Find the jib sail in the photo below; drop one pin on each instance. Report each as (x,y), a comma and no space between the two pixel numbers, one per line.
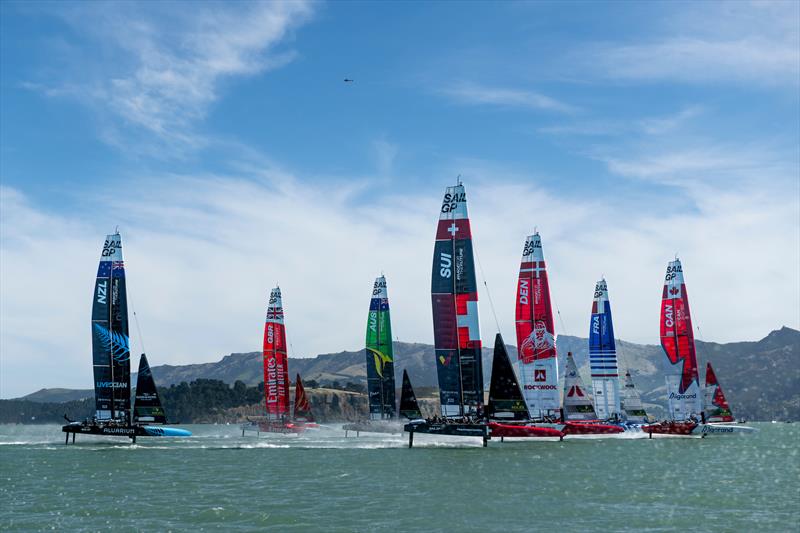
(276,368)
(603,355)
(536,341)
(577,403)
(717,408)
(632,401)
(677,340)
(505,397)
(454,296)
(147,405)
(302,407)
(380,358)
(409,407)
(110,343)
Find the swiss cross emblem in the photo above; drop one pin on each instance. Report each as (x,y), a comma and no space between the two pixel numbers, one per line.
(540,375)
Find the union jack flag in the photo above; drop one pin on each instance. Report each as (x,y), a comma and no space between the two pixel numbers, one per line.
(117,265)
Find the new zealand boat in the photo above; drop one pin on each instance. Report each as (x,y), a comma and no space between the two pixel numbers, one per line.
(380,368)
(111,361)
(276,375)
(686,415)
(456,330)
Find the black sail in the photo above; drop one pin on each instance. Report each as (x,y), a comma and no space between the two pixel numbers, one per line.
(110,344)
(409,407)
(505,397)
(147,406)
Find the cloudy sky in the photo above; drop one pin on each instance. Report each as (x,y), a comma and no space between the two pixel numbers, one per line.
(224,144)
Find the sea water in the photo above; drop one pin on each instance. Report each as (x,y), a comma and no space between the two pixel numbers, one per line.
(322,481)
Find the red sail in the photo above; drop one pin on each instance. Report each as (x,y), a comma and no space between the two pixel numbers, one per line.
(717,408)
(276,368)
(302,407)
(677,340)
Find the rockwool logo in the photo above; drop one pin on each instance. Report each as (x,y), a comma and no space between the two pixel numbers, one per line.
(540,375)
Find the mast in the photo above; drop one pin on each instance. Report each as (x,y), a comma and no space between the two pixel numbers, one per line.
(110,341)
(677,340)
(454,298)
(276,368)
(603,355)
(537,358)
(379,353)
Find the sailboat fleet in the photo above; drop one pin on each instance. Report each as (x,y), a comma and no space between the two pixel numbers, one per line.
(524,397)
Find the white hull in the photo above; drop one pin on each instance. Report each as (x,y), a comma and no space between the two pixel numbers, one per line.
(722,429)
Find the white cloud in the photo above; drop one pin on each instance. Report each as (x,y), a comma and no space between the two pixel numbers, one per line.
(160,66)
(203,251)
(470,93)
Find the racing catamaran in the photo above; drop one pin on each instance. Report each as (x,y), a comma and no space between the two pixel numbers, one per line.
(111,361)
(456,330)
(276,375)
(380,367)
(603,356)
(682,377)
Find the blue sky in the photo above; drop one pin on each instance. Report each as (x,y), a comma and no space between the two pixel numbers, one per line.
(224,143)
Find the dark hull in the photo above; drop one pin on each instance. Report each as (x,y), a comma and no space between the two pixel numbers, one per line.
(116,430)
(451,430)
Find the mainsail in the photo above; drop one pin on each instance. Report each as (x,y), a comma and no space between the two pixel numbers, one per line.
(380,359)
(677,340)
(717,408)
(632,402)
(454,297)
(603,355)
(538,364)
(276,368)
(110,344)
(302,407)
(147,405)
(505,397)
(577,403)
(409,407)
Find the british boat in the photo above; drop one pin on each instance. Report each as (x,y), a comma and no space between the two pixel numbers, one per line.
(276,377)
(456,331)
(380,368)
(686,414)
(111,361)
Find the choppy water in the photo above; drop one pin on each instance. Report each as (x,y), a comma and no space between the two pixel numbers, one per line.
(218,480)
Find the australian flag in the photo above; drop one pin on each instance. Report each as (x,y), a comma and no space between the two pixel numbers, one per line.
(104,270)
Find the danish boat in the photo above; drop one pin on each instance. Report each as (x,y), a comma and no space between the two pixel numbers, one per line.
(380,367)
(456,330)
(686,414)
(111,361)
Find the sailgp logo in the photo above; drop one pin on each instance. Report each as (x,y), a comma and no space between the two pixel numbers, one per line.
(450,202)
(530,246)
(672,271)
(102,291)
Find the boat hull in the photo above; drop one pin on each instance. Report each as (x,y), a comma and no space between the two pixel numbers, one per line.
(497,429)
(378,426)
(123,431)
(722,429)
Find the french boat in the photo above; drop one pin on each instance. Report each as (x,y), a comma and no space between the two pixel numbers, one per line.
(111,362)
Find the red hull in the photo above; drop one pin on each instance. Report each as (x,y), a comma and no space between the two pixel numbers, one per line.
(281,427)
(508,430)
(583,428)
(670,428)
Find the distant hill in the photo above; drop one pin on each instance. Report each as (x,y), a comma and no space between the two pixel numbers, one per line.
(761,379)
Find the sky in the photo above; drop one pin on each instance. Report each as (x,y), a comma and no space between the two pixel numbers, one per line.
(222,141)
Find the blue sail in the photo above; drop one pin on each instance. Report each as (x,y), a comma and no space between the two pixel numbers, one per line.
(603,356)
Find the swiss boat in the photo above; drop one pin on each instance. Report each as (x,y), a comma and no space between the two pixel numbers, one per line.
(111,361)
(686,414)
(276,378)
(380,367)
(456,331)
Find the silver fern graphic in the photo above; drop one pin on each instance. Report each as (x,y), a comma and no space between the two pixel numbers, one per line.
(116,343)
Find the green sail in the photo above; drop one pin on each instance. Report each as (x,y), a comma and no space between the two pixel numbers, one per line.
(379,354)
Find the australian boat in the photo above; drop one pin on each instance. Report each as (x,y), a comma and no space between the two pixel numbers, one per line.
(111,362)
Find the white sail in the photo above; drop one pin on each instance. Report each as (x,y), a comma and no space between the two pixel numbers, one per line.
(632,402)
(577,401)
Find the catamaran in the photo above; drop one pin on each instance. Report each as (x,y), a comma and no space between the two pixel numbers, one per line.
(111,361)
(686,413)
(380,367)
(276,377)
(456,331)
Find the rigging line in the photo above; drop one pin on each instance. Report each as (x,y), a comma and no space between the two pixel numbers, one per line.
(488,292)
(138,329)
